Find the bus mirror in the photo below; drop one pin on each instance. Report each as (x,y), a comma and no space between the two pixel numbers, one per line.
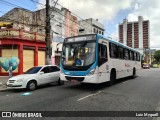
(57,50)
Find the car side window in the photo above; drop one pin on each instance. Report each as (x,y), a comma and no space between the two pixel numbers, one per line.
(46,70)
(54,69)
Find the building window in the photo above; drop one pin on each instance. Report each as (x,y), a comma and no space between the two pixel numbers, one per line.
(102,33)
(94,30)
(72,34)
(99,32)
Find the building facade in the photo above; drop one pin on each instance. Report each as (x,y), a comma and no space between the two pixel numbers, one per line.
(32,23)
(63,24)
(135,34)
(29,47)
(90,26)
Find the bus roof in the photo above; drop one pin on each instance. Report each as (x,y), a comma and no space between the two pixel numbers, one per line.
(116,42)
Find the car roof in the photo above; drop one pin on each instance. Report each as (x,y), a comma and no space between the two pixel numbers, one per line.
(45,65)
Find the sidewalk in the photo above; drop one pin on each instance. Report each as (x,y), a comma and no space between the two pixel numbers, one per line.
(3,81)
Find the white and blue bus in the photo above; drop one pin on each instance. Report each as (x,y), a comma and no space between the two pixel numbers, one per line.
(93,58)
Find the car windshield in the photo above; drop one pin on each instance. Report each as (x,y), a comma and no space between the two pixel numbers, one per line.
(33,70)
(78,54)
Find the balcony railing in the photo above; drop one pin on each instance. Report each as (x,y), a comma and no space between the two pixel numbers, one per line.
(19,34)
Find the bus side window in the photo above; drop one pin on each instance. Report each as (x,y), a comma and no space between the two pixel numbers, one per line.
(132,55)
(135,58)
(120,52)
(138,56)
(126,54)
(102,54)
(113,50)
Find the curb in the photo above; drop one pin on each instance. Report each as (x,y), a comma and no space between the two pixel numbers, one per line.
(3,88)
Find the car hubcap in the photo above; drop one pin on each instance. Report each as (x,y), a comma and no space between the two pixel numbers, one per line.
(32,86)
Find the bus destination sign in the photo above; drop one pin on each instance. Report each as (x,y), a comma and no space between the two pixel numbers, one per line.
(78,39)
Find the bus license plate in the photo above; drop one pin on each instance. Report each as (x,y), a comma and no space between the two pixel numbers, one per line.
(73,81)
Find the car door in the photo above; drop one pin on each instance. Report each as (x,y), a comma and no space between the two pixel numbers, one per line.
(45,77)
(55,72)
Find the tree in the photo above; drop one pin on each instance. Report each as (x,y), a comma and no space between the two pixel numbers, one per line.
(157,56)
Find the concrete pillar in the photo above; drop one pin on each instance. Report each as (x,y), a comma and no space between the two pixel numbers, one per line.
(53,54)
(132,35)
(140,35)
(125,31)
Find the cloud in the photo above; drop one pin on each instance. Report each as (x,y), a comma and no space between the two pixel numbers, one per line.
(103,10)
(150,10)
(107,10)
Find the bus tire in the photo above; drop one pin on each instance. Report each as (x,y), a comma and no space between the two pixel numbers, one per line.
(112,77)
(134,73)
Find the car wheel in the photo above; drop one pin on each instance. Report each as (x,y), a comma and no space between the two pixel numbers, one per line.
(60,82)
(31,85)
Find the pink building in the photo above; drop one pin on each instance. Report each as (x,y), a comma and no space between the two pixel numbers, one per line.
(71,23)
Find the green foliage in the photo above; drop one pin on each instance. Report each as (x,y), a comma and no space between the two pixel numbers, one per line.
(157,55)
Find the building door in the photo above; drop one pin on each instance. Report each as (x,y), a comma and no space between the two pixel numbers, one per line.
(41,57)
(28,59)
(57,60)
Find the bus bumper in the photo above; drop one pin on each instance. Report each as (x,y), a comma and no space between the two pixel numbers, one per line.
(82,79)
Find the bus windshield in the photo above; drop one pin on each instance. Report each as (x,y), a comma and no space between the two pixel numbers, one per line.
(78,54)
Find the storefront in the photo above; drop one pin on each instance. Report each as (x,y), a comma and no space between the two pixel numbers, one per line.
(28,47)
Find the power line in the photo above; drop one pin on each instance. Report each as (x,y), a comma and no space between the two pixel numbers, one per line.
(28,5)
(63,15)
(38,2)
(84,20)
(74,14)
(10,3)
(53,7)
(33,3)
(6,4)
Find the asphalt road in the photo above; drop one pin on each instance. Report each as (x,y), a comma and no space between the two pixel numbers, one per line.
(139,94)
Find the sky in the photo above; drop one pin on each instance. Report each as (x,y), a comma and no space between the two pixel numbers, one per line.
(108,12)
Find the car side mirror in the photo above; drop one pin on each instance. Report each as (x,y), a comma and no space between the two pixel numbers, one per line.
(41,72)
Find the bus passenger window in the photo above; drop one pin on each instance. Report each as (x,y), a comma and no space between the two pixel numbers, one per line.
(120,52)
(102,54)
(113,50)
(126,54)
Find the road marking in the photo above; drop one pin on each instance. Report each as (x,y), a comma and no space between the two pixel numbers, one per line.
(89,96)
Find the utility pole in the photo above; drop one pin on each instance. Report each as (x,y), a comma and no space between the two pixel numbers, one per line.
(47,38)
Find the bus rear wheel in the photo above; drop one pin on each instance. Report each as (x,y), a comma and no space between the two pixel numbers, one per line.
(112,78)
(134,73)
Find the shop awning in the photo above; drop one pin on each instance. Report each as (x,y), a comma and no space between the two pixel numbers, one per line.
(4,24)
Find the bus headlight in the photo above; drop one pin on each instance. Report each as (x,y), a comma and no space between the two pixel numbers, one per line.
(92,72)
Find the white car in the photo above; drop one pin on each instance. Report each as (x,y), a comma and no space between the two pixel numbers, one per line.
(36,76)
